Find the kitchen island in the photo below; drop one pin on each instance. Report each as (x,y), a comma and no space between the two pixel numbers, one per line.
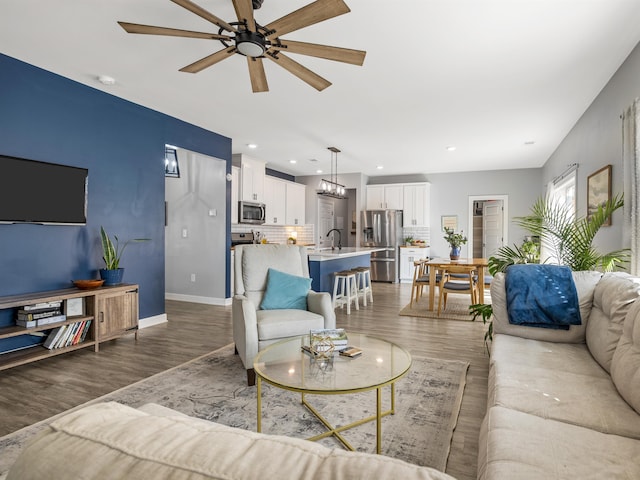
(324,262)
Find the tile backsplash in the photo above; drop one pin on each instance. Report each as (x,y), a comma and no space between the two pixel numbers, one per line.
(418,233)
(305,233)
(279,234)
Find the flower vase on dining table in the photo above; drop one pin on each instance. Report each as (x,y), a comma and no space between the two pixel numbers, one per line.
(455,253)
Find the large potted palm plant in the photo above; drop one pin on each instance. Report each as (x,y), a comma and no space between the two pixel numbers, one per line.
(111,254)
(568,240)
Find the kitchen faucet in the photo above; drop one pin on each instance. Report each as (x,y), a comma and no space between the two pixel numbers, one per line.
(339,238)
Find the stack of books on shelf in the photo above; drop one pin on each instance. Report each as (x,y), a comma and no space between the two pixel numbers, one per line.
(40,314)
(67,335)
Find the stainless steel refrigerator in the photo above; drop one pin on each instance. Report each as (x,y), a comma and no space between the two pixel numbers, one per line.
(383,228)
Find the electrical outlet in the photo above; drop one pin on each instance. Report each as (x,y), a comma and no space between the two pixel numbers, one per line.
(193,277)
(184,233)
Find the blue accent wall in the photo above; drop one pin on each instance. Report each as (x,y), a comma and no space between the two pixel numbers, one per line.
(46,117)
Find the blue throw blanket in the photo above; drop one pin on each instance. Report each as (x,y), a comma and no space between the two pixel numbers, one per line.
(542,296)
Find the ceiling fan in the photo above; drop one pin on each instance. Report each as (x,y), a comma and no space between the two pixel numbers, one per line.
(247,37)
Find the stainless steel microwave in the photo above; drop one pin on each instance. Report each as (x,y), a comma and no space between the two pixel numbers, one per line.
(251,212)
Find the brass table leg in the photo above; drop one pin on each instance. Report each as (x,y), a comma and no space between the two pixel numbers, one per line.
(378,420)
(335,431)
(393,399)
(259,401)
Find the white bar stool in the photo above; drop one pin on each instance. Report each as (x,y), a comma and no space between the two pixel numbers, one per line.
(363,284)
(345,290)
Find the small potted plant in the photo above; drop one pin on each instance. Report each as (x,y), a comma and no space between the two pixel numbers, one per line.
(111,254)
(408,241)
(455,241)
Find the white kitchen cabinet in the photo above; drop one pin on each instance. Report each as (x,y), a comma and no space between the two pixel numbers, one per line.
(416,200)
(384,197)
(235,193)
(407,256)
(275,199)
(252,175)
(295,203)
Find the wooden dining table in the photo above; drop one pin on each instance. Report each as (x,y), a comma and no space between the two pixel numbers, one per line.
(436,264)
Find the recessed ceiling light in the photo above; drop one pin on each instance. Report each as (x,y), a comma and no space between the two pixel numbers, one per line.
(252,145)
(106,80)
(529,142)
(451,148)
(318,171)
(379,167)
(293,161)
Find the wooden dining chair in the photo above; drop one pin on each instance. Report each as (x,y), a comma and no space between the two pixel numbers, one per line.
(420,279)
(458,279)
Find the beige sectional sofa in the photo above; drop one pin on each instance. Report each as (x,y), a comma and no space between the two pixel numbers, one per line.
(111,441)
(565,404)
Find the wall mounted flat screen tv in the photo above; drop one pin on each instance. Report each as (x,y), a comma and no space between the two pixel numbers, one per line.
(40,192)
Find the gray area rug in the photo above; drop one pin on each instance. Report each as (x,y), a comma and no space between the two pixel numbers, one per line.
(213,387)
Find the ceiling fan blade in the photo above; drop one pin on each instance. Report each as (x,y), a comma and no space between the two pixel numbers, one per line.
(315,12)
(244,12)
(212,59)
(257,75)
(172,32)
(346,55)
(201,12)
(300,71)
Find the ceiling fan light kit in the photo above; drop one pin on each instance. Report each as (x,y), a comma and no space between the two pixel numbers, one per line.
(256,42)
(250,44)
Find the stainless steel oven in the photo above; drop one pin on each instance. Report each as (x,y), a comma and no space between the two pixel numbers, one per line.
(251,212)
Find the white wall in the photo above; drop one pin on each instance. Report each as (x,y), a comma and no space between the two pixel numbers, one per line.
(196,203)
(596,141)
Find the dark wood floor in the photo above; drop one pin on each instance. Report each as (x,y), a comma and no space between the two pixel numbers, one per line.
(36,391)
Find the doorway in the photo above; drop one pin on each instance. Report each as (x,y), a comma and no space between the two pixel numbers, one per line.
(488,224)
(325,221)
(195,231)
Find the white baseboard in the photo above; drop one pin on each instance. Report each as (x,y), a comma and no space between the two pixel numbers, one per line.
(151,321)
(198,299)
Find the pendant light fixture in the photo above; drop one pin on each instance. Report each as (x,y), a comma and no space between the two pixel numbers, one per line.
(331,187)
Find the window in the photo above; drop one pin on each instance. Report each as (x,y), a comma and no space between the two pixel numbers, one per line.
(171,167)
(563,191)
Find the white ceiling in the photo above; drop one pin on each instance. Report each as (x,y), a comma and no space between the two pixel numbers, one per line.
(485,76)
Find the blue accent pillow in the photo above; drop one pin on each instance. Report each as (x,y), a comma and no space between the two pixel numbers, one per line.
(285,291)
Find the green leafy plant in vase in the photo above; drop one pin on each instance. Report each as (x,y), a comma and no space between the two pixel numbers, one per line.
(455,241)
(112,252)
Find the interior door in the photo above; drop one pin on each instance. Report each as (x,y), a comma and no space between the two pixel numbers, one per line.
(492,227)
(325,222)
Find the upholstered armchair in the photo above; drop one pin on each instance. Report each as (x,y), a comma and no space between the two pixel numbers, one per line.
(272,299)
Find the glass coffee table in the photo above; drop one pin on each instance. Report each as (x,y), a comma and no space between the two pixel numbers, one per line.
(285,365)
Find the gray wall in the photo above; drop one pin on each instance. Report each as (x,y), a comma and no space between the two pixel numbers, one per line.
(196,203)
(450,196)
(596,141)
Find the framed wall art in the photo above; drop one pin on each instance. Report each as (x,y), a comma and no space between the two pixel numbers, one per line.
(449,221)
(599,190)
